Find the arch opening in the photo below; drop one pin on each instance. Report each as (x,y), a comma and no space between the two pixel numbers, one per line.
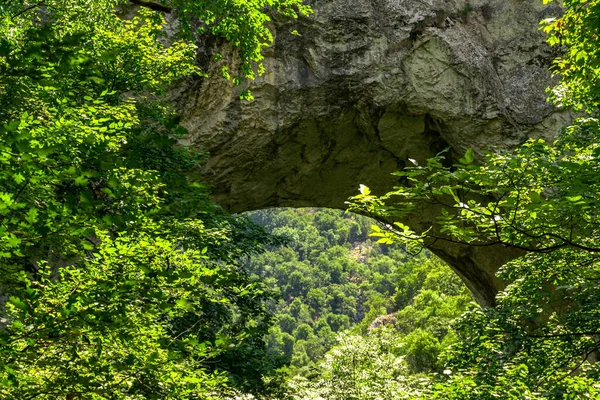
(332,277)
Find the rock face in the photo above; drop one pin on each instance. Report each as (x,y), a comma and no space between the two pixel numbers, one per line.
(369,84)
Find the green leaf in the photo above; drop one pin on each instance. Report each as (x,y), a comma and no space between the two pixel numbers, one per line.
(18,178)
(469,156)
(17,302)
(31,216)
(81,180)
(535,196)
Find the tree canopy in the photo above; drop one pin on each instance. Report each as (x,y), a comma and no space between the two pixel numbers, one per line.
(120,275)
(541,341)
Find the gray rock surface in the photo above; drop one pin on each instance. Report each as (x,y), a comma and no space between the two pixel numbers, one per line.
(369,84)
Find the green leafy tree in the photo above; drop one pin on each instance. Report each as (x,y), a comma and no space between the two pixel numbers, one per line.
(362,368)
(541,341)
(119,271)
(303,332)
(422,351)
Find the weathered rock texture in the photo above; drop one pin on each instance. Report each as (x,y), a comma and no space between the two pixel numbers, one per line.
(369,84)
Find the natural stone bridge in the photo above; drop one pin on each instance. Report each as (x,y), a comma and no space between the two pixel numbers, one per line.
(369,84)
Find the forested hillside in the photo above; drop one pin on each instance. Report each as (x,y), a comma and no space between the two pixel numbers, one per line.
(332,278)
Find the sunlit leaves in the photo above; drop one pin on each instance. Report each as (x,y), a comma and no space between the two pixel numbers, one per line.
(118,323)
(541,198)
(577,30)
(118,268)
(243,23)
(363,368)
(544,199)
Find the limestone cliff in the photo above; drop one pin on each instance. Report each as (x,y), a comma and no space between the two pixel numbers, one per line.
(369,84)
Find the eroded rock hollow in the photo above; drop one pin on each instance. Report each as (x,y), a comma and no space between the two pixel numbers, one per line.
(367,85)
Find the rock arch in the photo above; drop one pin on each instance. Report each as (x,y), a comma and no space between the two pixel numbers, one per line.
(369,84)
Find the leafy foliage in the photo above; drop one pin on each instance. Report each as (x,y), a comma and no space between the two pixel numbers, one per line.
(362,368)
(133,323)
(242,22)
(541,341)
(576,31)
(356,319)
(119,273)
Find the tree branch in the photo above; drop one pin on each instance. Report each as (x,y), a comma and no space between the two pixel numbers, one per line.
(152,6)
(31,7)
(562,335)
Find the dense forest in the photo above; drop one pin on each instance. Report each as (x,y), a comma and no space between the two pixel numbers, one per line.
(120,278)
(332,278)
